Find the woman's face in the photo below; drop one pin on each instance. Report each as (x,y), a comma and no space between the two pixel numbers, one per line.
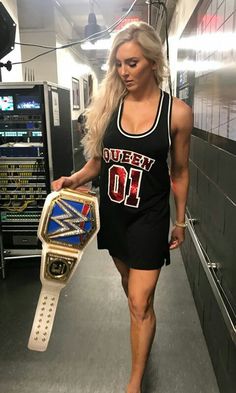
(133,68)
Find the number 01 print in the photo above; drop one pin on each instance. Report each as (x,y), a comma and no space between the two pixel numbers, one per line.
(118,179)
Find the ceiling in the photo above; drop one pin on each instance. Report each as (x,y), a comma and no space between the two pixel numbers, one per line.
(107,12)
(75,13)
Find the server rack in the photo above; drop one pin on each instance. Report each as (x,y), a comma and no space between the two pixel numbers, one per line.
(35,148)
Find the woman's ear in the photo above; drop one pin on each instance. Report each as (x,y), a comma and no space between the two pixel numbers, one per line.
(154,65)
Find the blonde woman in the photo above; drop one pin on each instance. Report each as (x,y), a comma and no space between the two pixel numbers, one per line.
(132,124)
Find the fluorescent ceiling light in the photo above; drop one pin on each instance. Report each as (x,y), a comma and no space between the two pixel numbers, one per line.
(104,44)
(198,66)
(104,67)
(209,42)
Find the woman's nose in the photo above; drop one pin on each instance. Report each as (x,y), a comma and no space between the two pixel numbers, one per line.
(123,70)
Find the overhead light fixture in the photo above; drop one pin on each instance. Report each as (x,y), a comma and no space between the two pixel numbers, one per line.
(198,66)
(92,27)
(104,67)
(104,44)
(209,42)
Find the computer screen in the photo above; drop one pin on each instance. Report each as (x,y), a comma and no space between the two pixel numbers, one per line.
(6,103)
(27,102)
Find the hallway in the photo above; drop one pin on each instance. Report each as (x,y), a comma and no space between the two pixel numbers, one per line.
(89,348)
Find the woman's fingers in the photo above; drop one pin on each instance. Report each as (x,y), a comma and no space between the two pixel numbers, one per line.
(177,237)
(60,183)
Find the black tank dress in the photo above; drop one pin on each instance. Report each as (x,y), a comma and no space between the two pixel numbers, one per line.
(134,191)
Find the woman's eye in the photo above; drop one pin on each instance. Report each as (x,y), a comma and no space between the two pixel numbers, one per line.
(118,65)
(133,64)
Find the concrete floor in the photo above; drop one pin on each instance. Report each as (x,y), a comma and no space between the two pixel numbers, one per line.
(89,348)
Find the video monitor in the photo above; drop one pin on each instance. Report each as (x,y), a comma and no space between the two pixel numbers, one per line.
(27,102)
(6,103)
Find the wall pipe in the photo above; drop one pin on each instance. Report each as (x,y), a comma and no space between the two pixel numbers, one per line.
(215,286)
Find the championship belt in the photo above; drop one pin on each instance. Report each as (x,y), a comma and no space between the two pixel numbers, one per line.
(69,221)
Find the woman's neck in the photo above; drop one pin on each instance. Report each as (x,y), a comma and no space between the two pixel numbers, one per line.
(147,94)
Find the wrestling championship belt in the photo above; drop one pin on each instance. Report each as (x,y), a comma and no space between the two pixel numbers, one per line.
(69,221)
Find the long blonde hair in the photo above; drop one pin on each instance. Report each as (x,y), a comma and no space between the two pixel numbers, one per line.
(112,88)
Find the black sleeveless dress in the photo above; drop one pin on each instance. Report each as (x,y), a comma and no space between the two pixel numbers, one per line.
(134,191)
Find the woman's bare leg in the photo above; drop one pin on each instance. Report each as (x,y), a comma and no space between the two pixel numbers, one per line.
(139,286)
(123,269)
(141,289)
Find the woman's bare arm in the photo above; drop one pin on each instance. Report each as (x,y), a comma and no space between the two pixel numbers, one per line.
(182,122)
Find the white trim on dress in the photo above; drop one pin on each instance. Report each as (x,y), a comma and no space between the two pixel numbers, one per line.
(145,133)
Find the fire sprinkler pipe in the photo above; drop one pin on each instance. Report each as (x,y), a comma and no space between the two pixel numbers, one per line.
(149,3)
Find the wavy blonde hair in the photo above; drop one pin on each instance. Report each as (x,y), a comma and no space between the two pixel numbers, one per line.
(112,89)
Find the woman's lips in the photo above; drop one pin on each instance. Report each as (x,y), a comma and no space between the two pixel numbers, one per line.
(128,82)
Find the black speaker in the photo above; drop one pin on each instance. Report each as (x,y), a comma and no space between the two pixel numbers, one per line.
(7,32)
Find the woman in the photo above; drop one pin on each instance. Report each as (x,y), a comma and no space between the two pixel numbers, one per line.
(131,125)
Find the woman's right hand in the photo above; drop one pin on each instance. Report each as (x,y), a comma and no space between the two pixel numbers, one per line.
(62,182)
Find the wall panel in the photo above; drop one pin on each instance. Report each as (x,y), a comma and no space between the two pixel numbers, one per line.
(206,80)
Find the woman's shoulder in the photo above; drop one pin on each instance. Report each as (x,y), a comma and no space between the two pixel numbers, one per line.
(181,114)
(179,105)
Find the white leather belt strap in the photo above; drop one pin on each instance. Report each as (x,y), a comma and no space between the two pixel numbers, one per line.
(43,320)
(69,221)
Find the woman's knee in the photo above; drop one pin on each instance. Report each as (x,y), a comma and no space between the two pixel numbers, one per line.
(142,285)
(140,308)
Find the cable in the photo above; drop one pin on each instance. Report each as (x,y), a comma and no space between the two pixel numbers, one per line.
(35,45)
(21,208)
(92,37)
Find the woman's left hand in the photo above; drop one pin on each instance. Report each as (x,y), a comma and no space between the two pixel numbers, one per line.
(177,237)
